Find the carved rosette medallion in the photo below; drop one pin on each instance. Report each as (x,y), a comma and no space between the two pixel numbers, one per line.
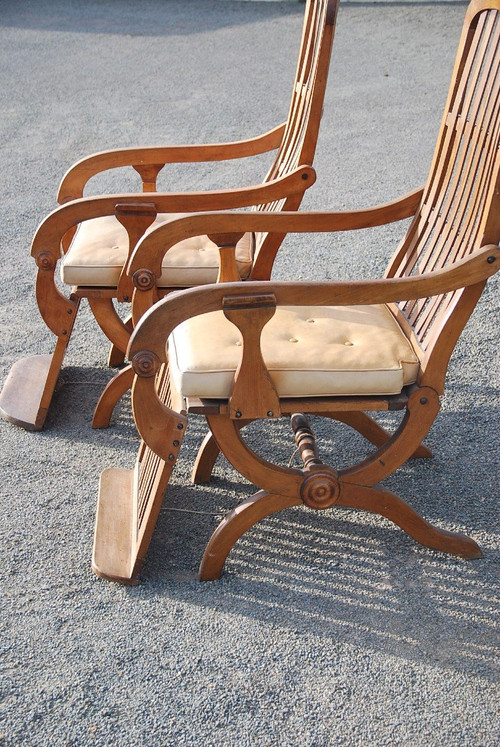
(143,279)
(45,260)
(145,364)
(320,489)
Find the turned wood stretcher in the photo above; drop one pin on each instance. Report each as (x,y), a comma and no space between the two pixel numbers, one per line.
(92,238)
(239,352)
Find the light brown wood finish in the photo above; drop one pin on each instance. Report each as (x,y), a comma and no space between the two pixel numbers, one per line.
(282,188)
(431,285)
(76,178)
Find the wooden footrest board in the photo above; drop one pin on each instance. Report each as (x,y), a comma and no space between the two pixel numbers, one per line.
(113,556)
(23,391)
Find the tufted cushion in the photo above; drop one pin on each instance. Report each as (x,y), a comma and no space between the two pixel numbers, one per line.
(310,351)
(100,248)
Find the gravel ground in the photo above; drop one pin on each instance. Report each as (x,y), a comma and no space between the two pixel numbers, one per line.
(326,629)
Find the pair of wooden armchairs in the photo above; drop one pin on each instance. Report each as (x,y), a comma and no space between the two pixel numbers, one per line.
(238,352)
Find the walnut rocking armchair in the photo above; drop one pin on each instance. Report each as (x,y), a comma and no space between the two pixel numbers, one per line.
(239,352)
(93,237)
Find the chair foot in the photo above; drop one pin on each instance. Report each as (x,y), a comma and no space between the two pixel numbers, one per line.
(114,390)
(234,525)
(395,509)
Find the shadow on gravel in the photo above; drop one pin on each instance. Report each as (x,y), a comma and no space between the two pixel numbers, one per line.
(344,575)
(339,576)
(156,18)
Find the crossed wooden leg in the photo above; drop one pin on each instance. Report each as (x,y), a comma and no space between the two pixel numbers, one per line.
(320,487)
(359,421)
(113,392)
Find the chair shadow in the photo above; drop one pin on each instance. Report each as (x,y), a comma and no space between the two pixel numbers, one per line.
(341,575)
(148,18)
(349,576)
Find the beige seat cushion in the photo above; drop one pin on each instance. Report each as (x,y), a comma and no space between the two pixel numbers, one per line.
(310,351)
(100,248)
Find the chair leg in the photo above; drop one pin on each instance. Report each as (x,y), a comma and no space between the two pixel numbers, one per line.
(373,432)
(116,356)
(29,387)
(109,321)
(421,410)
(395,509)
(207,456)
(205,460)
(113,392)
(360,421)
(235,524)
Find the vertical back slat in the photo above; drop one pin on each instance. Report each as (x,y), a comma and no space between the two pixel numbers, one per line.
(298,145)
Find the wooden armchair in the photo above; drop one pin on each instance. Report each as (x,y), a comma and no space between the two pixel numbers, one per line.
(238,352)
(93,237)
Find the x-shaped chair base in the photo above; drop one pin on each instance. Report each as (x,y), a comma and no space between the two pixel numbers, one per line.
(319,486)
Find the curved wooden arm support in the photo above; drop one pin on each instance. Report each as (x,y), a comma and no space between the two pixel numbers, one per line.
(155,422)
(150,251)
(75,179)
(253,394)
(57,311)
(49,234)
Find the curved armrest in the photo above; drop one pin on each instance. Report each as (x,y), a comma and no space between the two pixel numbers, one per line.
(51,231)
(152,248)
(73,182)
(157,324)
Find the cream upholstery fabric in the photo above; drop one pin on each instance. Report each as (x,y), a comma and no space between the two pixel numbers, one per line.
(100,247)
(310,351)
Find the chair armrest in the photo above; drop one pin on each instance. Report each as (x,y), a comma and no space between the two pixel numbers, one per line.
(49,234)
(75,179)
(158,322)
(151,250)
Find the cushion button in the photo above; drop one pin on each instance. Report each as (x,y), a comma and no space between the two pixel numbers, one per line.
(311,321)
(293,339)
(348,343)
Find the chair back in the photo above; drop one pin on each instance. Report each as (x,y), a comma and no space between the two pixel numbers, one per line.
(298,145)
(460,208)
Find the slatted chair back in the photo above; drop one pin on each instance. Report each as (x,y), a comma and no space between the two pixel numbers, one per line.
(460,207)
(299,141)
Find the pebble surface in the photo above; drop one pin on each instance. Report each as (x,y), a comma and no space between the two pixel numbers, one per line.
(328,628)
